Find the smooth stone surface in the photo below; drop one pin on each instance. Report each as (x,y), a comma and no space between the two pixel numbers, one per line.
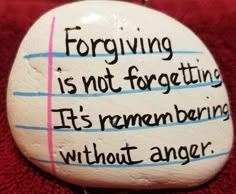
(144,106)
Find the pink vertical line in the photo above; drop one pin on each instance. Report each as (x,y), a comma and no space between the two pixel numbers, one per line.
(49,97)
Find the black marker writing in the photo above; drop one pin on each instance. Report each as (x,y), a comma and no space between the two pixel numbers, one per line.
(115,47)
(185,153)
(100,83)
(69,119)
(92,156)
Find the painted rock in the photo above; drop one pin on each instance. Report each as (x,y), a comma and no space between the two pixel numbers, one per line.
(119,96)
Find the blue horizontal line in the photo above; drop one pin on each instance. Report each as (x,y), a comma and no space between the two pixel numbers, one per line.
(154,164)
(31,127)
(38,94)
(92,130)
(63,55)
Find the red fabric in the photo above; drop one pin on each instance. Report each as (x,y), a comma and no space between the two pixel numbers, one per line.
(213,21)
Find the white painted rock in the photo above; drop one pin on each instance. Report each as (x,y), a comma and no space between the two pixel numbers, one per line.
(118,95)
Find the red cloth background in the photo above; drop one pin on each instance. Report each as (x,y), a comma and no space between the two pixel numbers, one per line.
(213,21)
